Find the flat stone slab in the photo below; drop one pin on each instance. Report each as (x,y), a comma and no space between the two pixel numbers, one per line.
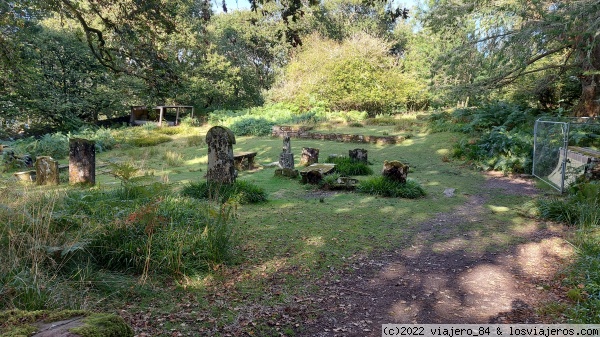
(324,168)
(60,328)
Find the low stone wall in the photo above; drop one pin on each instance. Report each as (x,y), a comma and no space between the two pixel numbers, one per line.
(301,132)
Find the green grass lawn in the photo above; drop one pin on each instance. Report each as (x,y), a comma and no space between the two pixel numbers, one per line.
(283,245)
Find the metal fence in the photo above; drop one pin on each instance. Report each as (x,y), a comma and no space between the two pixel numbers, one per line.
(563,148)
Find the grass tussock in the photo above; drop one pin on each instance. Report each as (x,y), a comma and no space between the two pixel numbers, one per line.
(385,187)
(580,208)
(347,167)
(241,192)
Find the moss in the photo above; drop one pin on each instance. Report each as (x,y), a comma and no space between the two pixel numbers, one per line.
(103,325)
(15,323)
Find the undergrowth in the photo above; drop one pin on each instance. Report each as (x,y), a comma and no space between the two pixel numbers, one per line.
(241,192)
(386,187)
(580,208)
(347,167)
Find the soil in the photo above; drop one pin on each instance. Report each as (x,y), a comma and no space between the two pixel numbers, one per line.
(440,277)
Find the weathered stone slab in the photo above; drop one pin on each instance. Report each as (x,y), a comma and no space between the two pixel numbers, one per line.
(221,165)
(46,171)
(286,157)
(309,156)
(244,160)
(395,170)
(358,155)
(82,161)
(314,173)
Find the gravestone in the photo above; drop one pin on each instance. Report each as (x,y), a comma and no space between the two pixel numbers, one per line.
(82,161)
(46,171)
(286,158)
(221,166)
(358,155)
(309,156)
(395,170)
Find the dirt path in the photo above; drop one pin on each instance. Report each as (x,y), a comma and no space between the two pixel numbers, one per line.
(441,276)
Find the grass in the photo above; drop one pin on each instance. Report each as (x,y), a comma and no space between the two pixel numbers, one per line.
(278,247)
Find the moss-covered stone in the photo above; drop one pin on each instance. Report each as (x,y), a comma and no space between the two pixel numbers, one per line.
(20,323)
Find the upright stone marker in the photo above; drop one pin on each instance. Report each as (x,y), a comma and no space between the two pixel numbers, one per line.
(221,167)
(46,171)
(82,161)
(358,155)
(309,156)
(286,158)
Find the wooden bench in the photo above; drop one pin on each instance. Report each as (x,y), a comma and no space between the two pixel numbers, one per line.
(244,160)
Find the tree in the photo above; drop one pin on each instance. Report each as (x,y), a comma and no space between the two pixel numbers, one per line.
(503,42)
(356,74)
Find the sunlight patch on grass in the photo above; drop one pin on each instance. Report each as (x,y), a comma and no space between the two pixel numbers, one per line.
(316,241)
(197,160)
(498,209)
(443,152)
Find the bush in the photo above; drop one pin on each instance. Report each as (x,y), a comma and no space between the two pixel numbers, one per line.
(170,235)
(103,138)
(241,192)
(356,74)
(347,167)
(55,145)
(580,208)
(391,188)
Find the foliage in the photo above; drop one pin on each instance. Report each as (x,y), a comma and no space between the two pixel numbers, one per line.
(355,74)
(241,192)
(509,44)
(497,136)
(170,235)
(347,167)
(580,208)
(386,187)
(55,145)
(260,120)
(103,138)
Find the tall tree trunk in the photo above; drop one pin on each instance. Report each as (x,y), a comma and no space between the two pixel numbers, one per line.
(589,103)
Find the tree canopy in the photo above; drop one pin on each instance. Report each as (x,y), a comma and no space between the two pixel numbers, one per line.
(496,43)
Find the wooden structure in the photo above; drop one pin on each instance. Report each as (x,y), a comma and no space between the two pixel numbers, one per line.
(141,114)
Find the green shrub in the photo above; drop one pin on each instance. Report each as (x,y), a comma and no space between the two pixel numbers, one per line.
(382,121)
(357,73)
(251,126)
(391,188)
(241,192)
(103,138)
(580,208)
(169,235)
(347,167)
(55,145)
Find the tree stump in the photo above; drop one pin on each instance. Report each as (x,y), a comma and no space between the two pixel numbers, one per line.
(395,170)
(46,171)
(309,156)
(82,161)
(358,155)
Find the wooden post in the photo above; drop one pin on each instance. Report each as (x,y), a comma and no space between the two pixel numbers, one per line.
(82,161)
